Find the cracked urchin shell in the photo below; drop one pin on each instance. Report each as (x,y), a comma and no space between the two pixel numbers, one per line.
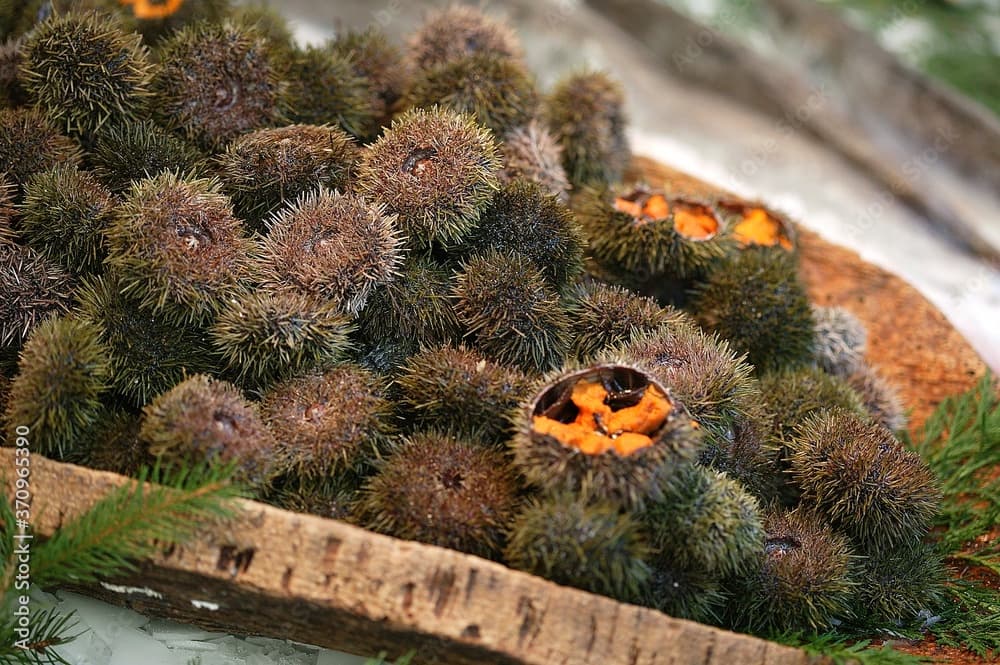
(264,336)
(863,480)
(126,152)
(524,218)
(203,419)
(754,224)
(30,143)
(585,112)
(706,521)
(336,247)
(85,69)
(608,431)
(457,32)
(439,489)
(148,353)
(331,422)
(64,215)
(841,340)
(756,301)
(572,541)
(683,592)
(266,169)
(377,60)
(879,397)
(531,152)
(434,168)
(895,586)
(34,287)
(177,247)
(217,81)
(56,394)
(458,390)
(510,312)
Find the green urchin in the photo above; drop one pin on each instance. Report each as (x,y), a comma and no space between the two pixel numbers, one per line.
(148,353)
(682,592)
(586,113)
(457,32)
(895,586)
(609,431)
(264,336)
(30,143)
(575,542)
(217,81)
(331,422)
(510,312)
(863,480)
(434,168)
(331,498)
(113,444)
(56,394)
(7,209)
(268,21)
(337,247)
(841,340)
(129,151)
(524,218)
(458,390)
(531,152)
(12,92)
(603,317)
(879,397)
(756,301)
(34,287)
(706,521)
(203,419)
(323,87)
(806,581)
(64,215)
(644,234)
(269,168)
(439,489)
(497,91)
(178,247)
(85,69)
(377,60)
(792,396)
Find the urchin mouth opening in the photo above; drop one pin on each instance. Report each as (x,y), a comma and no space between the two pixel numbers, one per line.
(452,479)
(194,237)
(780,546)
(757,226)
(419,159)
(607,408)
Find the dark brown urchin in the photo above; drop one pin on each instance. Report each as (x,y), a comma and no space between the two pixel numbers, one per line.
(530,151)
(436,169)
(12,92)
(524,218)
(644,234)
(791,397)
(331,498)
(7,209)
(30,143)
(439,489)
(323,87)
(573,541)
(329,423)
(457,32)
(756,225)
(126,152)
(414,307)
(204,420)
(806,580)
(863,480)
(64,215)
(113,444)
(497,91)
(33,287)
(609,431)
(336,247)
(217,81)
(896,586)
(84,69)
(841,340)
(879,397)
(266,20)
(458,390)
(264,336)
(510,312)
(148,354)
(266,169)
(585,113)
(178,248)
(603,316)
(377,60)
(756,301)
(56,394)
(683,593)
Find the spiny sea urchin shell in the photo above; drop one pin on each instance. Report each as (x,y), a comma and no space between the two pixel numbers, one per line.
(609,431)
(434,168)
(112,443)
(792,396)
(12,92)
(30,143)
(841,340)
(460,31)
(439,489)
(129,151)
(33,287)
(323,87)
(377,60)
(266,169)
(683,592)
(531,152)
(7,210)
(329,497)
(879,397)
(895,586)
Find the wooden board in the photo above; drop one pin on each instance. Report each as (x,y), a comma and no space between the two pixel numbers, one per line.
(328,583)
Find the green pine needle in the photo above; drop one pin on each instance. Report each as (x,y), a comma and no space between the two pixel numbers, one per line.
(381,659)
(48,629)
(842,650)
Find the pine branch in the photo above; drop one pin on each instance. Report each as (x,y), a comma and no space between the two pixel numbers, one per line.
(842,650)
(47,630)
(381,659)
(971,619)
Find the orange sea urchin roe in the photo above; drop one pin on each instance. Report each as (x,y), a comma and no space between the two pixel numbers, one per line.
(148,9)
(694,221)
(759,228)
(643,207)
(597,428)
